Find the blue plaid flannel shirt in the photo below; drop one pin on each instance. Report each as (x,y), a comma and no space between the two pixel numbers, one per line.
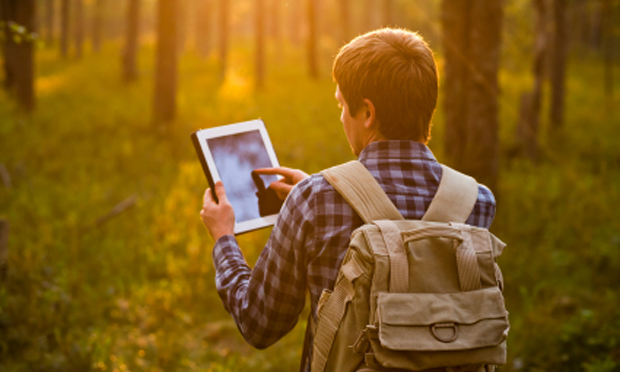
(310,238)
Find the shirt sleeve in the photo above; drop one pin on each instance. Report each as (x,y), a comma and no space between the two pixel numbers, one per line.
(484,210)
(266,301)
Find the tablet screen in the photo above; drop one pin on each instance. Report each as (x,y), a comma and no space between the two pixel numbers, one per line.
(231,153)
(235,157)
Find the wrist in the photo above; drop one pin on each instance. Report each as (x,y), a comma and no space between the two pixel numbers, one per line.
(220,234)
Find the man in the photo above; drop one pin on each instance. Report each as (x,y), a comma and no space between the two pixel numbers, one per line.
(387,88)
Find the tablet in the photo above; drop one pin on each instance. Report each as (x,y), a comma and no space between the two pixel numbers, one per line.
(230,154)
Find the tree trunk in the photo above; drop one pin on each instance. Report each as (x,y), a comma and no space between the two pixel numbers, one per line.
(557,69)
(296,21)
(19,56)
(4,248)
(224,30)
(312,30)
(387,13)
(608,48)
(7,12)
(455,21)
(182,10)
(345,21)
(49,22)
(79,27)
(65,7)
(260,44)
(130,68)
(472,60)
(275,19)
(369,10)
(529,120)
(596,24)
(98,20)
(203,27)
(166,62)
(482,151)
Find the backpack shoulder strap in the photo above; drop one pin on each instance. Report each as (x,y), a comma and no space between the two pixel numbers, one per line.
(362,191)
(455,198)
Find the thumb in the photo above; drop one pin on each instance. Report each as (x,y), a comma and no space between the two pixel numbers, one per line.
(220,192)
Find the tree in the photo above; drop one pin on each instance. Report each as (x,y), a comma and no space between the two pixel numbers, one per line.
(369,10)
(313,65)
(387,13)
(471,39)
(275,20)
(130,68)
(557,70)
(224,26)
(182,18)
(295,19)
(203,27)
(98,18)
(345,20)
(260,43)
(19,16)
(79,27)
(529,118)
(64,27)
(5,17)
(166,62)
(49,22)
(608,47)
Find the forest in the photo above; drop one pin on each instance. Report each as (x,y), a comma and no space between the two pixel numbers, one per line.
(105,264)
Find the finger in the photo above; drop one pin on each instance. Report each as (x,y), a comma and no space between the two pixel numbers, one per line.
(220,192)
(282,171)
(281,188)
(207,197)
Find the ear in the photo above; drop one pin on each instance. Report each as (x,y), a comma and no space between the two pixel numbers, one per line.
(370,117)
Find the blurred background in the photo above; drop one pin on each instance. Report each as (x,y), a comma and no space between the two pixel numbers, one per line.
(104,262)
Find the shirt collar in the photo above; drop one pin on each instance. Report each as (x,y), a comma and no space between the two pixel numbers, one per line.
(396,149)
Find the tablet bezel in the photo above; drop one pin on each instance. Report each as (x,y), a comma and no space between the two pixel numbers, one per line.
(201,137)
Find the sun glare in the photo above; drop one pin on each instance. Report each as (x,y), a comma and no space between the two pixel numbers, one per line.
(49,84)
(236,87)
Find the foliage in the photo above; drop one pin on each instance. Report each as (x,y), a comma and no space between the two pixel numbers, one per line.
(18,33)
(137,293)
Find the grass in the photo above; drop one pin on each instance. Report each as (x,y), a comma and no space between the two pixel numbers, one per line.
(137,292)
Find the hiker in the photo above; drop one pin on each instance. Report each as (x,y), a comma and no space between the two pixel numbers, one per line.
(386,85)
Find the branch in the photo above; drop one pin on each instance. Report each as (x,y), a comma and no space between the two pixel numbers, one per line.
(118,209)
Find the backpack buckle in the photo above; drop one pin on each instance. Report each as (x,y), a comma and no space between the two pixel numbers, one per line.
(435,331)
(361,344)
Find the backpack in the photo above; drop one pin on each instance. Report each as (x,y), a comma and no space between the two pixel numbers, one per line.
(412,295)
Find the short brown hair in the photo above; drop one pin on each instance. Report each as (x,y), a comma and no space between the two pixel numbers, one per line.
(396,71)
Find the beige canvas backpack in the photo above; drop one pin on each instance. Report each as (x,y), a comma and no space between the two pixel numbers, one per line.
(412,295)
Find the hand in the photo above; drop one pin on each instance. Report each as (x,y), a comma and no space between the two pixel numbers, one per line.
(284,186)
(219,219)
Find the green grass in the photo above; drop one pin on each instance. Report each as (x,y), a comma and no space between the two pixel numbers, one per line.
(137,293)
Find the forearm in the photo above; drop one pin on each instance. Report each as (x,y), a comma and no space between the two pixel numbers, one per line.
(254,308)
(266,301)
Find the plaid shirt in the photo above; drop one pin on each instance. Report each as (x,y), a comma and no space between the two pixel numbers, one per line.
(311,235)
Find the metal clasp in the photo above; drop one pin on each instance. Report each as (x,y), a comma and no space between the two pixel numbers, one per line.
(438,326)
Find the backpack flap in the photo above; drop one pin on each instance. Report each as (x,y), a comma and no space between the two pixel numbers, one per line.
(442,321)
(427,330)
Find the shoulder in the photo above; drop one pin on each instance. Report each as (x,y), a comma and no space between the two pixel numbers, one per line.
(483,213)
(310,188)
(315,197)
(485,196)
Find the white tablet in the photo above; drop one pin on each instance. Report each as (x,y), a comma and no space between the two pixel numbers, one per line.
(230,154)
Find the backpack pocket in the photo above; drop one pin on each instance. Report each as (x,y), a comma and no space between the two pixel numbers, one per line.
(427,330)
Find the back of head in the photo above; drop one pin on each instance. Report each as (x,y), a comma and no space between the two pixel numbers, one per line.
(396,71)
